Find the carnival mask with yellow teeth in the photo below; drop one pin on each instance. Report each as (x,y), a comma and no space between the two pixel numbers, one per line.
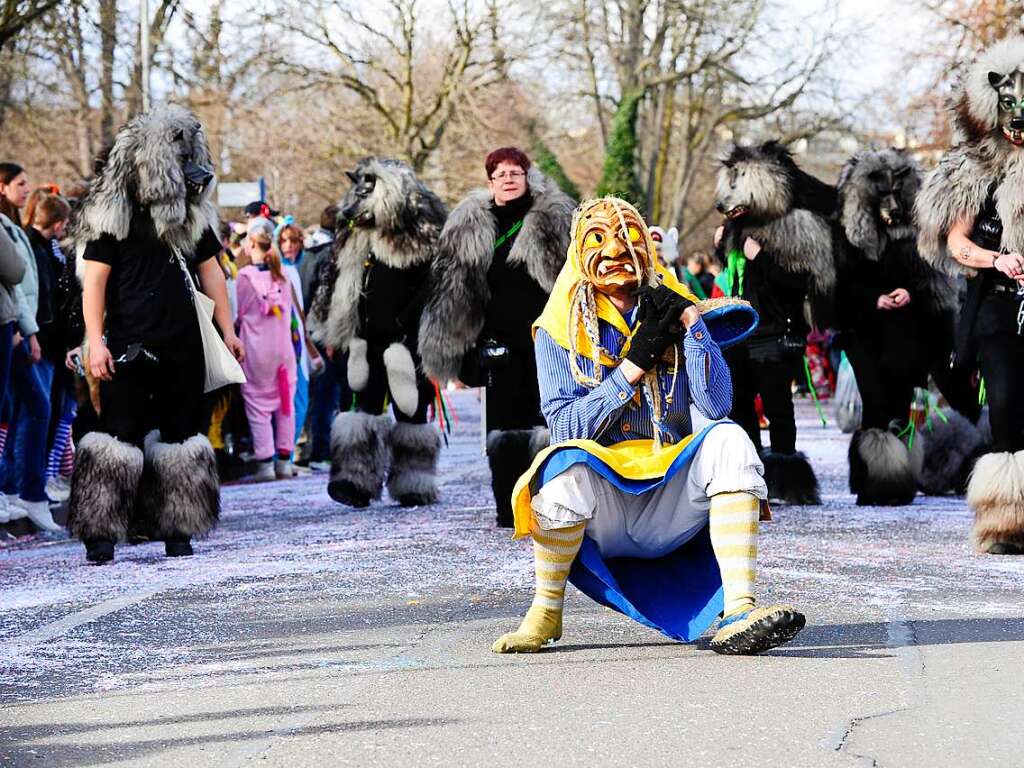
(614,247)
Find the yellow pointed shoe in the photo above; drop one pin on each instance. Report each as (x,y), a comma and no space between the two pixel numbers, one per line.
(540,626)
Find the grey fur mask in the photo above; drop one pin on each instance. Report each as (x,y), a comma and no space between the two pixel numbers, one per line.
(159,162)
(752,187)
(1010,90)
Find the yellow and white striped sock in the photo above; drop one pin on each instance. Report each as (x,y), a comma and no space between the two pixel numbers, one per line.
(733,523)
(553,553)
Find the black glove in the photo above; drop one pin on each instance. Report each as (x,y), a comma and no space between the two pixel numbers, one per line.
(658,312)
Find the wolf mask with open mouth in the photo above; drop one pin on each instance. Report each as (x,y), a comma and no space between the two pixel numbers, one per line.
(160,164)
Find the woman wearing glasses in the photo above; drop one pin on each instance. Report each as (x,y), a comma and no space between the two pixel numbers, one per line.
(498,256)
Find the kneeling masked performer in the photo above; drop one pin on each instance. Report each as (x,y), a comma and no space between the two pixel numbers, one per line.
(642,514)
(971,224)
(146,220)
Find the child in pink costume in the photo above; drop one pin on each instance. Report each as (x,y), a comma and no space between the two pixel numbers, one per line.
(264,316)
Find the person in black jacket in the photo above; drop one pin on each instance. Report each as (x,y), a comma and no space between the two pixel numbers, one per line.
(896,315)
(497,259)
(778,251)
(369,308)
(970,216)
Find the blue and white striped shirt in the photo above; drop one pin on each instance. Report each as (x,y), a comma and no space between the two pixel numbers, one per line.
(609,413)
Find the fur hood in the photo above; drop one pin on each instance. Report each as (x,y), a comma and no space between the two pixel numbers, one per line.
(398,223)
(763,194)
(862,224)
(960,184)
(456,306)
(859,200)
(144,171)
(975,101)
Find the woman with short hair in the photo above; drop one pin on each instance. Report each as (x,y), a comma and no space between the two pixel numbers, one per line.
(497,259)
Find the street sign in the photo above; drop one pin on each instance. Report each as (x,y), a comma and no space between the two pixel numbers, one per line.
(238,194)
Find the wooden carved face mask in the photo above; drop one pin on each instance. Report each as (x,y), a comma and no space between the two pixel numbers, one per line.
(613,245)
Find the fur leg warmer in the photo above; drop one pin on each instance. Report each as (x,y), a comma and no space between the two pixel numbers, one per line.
(359,457)
(510,452)
(882,470)
(401,371)
(103,487)
(951,446)
(412,480)
(996,494)
(790,478)
(180,486)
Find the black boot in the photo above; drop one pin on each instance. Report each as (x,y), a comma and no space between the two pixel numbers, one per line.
(178,546)
(509,453)
(1002,548)
(99,551)
(345,492)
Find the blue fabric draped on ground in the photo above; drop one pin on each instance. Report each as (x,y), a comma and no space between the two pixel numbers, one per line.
(680,594)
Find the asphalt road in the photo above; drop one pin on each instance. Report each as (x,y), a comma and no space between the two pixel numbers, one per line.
(304,634)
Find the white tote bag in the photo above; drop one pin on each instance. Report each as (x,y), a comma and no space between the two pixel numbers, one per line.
(222,368)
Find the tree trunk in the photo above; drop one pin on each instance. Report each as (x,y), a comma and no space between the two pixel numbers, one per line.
(108,43)
(661,152)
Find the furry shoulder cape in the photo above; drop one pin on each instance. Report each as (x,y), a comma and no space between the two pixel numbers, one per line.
(957,189)
(334,317)
(802,242)
(458,297)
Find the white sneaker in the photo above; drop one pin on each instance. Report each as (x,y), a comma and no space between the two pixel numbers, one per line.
(263,474)
(58,488)
(5,512)
(320,466)
(283,469)
(15,511)
(39,513)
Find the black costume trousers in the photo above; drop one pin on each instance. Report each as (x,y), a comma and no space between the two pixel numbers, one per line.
(166,394)
(886,385)
(1002,364)
(773,380)
(371,398)
(513,396)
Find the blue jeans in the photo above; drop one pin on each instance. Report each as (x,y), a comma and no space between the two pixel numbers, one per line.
(24,462)
(6,351)
(301,400)
(328,392)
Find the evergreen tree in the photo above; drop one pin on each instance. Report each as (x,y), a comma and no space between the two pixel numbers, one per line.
(548,164)
(618,177)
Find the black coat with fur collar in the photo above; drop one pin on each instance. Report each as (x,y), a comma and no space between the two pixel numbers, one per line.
(460,298)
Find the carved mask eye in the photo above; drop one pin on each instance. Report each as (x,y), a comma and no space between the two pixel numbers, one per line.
(634,234)
(593,240)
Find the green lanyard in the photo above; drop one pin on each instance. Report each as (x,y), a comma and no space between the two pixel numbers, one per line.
(735,267)
(511,233)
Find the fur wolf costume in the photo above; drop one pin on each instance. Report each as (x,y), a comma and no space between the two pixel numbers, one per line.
(150,468)
(643,515)
(369,308)
(764,195)
(979,184)
(486,289)
(892,350)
